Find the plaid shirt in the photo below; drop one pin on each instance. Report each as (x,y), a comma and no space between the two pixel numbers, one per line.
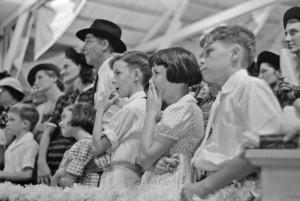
(60,144)
(79,156)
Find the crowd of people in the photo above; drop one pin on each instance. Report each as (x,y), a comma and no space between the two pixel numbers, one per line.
(112,118)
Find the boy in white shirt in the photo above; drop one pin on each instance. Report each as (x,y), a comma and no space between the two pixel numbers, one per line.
(21,154)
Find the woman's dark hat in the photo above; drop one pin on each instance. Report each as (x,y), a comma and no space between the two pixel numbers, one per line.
(43,66)
(292,13)
(107,30)
(268,57)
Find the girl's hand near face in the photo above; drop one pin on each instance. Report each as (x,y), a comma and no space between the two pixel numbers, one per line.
(154,99)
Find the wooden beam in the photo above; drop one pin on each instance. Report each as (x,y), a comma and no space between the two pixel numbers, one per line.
(14,44)
(160,21)
(175,22)
(25,6)
(261,18)
(211,21)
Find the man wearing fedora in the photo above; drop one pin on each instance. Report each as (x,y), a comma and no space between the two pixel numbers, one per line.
(101,41)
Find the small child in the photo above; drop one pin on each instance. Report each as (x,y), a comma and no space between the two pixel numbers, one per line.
(77,121)
(21,154)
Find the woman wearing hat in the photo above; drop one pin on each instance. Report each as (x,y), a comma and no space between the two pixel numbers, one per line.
(269,70)
(80,77)
(45,79)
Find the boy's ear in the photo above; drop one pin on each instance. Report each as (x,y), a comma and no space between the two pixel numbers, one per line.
(236,52)
(136,74)
(26,124)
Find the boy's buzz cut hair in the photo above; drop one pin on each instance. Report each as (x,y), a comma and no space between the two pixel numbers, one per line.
(135,60)
(234,35)
(26,112)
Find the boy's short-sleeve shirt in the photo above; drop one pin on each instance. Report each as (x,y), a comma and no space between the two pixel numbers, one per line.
(247,108)
(21,154)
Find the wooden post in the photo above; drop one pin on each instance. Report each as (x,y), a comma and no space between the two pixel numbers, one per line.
(280,173)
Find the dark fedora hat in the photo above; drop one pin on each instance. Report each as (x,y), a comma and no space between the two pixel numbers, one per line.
(292,13)
(107,30)
(268,57)
(43,66)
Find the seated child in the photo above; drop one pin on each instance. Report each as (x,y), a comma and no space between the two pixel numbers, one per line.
(77,121)
(20,156)
(121,138)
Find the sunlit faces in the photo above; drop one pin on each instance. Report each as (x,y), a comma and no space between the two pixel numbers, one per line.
(124,78)
(70,70)
(268,73)
(64,124)
(43,81)
(14,124)
(292,36)
(92,50)
(217,61)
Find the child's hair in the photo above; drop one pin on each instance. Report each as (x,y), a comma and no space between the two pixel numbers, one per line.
(83,115)
(26,112)
(135,60)
(234,35)
(181,65)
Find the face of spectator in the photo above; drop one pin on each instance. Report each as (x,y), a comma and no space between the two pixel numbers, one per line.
(216,62)
(292,37)
(43,82)
(5,97)
(15,124)
(159,78)
(64,124)
(70,70)
(204,91)
(124,79)
(268,73)
(93,50)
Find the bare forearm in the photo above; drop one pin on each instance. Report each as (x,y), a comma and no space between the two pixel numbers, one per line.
(147,137)
(97,133)
(16,176)
(237,169)
(45,142)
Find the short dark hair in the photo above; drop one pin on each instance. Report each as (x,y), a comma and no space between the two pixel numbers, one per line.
(234,35)
(181,65)
(135,60)
(26,112)
(86,72)
(83,115)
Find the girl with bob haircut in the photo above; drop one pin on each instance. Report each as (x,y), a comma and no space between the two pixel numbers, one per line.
(77,121)
(180,128)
